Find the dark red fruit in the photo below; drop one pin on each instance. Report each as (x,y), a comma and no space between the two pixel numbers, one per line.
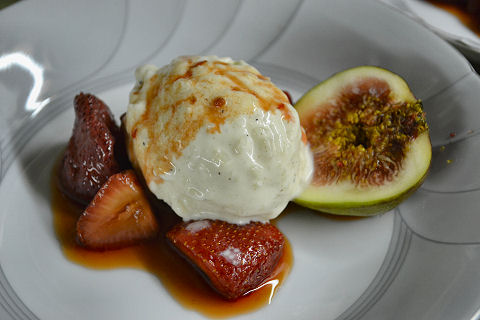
(90,155)
(121,145)
(119,215)
(288,96)
(234,259)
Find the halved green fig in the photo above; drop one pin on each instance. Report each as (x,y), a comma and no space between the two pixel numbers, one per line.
(369,139)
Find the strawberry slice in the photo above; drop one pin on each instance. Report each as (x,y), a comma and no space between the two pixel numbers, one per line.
(234,259)
(119,215)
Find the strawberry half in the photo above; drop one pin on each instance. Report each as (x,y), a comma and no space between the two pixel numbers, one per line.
(119,215)
(235,259)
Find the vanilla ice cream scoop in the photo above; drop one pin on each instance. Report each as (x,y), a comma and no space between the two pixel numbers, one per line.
(215,139)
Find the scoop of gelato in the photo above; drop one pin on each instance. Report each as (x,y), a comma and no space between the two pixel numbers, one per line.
(215,139)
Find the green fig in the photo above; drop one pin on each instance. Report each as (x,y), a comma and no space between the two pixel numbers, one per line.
(370,142)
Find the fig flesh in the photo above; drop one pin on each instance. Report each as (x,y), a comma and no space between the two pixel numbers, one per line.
(370,142)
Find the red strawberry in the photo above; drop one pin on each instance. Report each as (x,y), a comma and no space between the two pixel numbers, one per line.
(235,259)
(90,156)
(119,215)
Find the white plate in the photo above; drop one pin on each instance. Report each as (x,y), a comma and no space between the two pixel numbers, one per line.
(419,261)
(444,24)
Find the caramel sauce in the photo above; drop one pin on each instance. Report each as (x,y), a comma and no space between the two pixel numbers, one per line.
(462,12)
(157,257)
(215,114)
(265,104)
(189,72)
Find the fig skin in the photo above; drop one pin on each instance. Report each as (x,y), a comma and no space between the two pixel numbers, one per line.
(344,197)
(361,209)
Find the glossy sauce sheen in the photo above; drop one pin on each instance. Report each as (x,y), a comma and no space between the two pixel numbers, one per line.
(157,257)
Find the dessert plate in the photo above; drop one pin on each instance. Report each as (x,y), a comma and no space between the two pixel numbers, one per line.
(445,24)
(419,261)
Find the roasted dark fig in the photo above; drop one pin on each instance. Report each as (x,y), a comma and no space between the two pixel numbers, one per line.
(370,142)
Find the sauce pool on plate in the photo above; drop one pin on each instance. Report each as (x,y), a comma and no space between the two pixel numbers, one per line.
(157,257)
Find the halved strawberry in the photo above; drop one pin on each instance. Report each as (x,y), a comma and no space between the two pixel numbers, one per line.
(119,215)
(235,259)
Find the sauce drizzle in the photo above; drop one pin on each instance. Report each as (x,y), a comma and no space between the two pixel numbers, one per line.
(157,257)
